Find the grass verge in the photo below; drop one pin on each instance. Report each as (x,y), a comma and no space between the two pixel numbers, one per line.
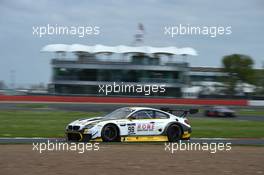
(52,124)
(210,127)
(252,112)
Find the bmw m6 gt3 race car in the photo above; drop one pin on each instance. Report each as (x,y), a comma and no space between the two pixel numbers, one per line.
(132,124)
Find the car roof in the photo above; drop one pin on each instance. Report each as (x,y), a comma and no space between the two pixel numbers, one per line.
(141,108)
(135,108)
(220,107)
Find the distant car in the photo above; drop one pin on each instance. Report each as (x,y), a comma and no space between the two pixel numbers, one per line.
(219,111)
(127,122)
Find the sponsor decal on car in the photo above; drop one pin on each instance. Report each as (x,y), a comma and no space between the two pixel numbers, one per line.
(146,126)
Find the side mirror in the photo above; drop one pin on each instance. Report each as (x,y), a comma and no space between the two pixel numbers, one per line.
(131,118)
(193,111)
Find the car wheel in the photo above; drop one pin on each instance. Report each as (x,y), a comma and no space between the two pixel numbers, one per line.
(230,115)
(174,133)
(217,114)
(110,133)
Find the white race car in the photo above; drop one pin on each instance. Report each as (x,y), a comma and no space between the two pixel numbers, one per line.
(132,124)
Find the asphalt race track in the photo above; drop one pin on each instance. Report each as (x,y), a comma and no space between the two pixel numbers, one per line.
(102,107)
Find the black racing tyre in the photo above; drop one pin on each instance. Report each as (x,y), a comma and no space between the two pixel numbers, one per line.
(174,133)
(110,133)
(216,114)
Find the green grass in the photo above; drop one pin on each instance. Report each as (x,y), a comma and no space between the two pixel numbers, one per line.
(249,112)
(37,124)
(208,127)
(52,124)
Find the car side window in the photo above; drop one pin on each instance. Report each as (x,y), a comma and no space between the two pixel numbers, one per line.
(161,115)
(144,114)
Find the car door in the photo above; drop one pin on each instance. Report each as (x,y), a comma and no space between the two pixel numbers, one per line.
(142,123)
(161,121)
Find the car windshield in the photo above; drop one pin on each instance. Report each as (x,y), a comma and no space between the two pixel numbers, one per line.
(220,107)
(120,113)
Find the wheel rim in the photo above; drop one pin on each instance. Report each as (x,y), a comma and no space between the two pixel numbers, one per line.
(110,133)
(174,132)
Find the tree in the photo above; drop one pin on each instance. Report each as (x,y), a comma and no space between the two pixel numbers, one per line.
(239,69)
(2,85)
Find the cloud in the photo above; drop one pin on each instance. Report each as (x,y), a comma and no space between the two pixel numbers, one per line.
(118,21)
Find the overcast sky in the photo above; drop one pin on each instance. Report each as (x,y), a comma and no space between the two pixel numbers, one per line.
(118,19)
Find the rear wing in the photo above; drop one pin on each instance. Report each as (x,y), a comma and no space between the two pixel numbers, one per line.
(184,111)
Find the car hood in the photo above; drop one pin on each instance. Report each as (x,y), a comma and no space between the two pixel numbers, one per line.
(226,110)
(86,121)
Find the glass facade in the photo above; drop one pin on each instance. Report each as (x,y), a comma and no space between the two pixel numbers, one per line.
(65,89)
(112,75)
(198,78)
(82,77)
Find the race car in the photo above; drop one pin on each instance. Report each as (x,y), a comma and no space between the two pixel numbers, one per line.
(132,124)
(219,111)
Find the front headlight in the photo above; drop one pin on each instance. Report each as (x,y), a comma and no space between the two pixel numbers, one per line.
(91,125)
(67,127)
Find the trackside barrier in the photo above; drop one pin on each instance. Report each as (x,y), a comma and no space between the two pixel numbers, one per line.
(74,99)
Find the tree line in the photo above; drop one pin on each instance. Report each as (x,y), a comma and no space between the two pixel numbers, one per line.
(240,69)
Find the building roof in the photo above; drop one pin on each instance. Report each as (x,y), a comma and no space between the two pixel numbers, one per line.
(122,49)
